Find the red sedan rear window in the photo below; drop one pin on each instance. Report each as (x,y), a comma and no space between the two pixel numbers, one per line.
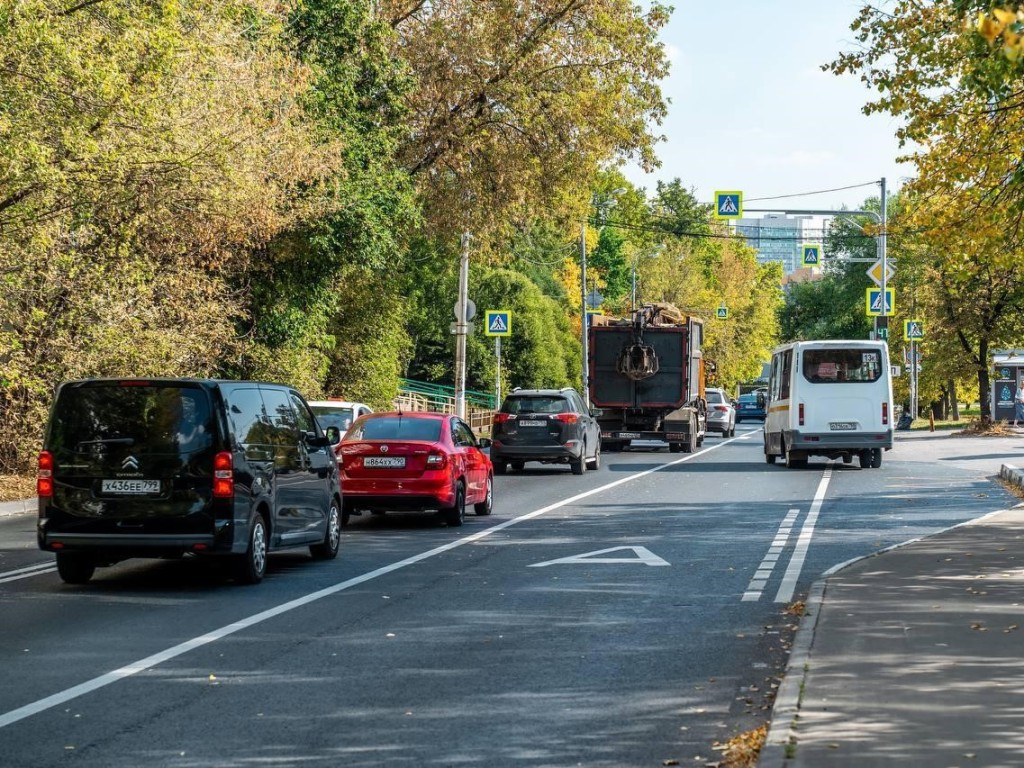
(396,428)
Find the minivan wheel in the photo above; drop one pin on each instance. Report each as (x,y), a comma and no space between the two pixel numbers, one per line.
(328,548)
(500,466)
(455,515)
(487,505)
(74,567)
(250,567)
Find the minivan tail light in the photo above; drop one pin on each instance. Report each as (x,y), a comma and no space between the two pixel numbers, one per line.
(436,461)
(44,476)
(801,414)
(566,418)
(223,475)
(885,414)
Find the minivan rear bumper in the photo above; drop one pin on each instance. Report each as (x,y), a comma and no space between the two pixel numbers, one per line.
(118,546)
(829,442)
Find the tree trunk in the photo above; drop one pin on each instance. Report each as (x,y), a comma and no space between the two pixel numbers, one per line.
(953,399)
(984,396)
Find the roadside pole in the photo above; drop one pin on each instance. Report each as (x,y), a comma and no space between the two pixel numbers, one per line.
(461,329)
(583,312)
(497,375)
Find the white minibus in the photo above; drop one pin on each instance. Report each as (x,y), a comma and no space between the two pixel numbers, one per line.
(829,398)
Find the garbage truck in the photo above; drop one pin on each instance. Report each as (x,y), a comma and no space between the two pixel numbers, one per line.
(646,378)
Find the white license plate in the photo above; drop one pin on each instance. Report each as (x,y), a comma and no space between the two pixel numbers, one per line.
(842,425)
(532,423)
(629,435)
(131,487)
(392,462)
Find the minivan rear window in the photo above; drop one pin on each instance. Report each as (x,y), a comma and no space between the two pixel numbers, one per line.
(842,366)
(142,418)
(396,428)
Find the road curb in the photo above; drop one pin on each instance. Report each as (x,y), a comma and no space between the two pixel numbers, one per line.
(1013,475)
(786,710)
(21,507)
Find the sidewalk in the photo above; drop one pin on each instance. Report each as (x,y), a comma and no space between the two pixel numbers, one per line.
(25,506)
(914,656)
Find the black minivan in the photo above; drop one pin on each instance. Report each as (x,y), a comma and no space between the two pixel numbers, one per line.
(168,467)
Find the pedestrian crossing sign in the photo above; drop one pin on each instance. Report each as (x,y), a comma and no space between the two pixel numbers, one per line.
(913,330)
(499,322)
(729,205)
(810,255)
(873,302)
(722,313)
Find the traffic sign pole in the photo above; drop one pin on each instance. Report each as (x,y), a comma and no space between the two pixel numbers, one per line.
(497,375)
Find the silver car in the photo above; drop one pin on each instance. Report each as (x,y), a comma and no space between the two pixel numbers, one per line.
(721,412)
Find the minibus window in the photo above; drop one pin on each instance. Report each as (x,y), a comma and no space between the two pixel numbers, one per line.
(842,366)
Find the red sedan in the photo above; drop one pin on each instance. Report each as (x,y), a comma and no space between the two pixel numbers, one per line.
(402,461)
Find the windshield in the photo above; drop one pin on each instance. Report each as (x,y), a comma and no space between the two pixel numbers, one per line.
(841,366)
(328,416)
(396,428)
(143,419)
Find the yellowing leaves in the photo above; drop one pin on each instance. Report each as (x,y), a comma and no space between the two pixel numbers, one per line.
(1005,25)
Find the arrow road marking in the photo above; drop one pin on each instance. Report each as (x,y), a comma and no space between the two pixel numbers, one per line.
(642,556)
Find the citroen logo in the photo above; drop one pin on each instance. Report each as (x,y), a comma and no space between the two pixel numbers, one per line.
(130,463)
(383,449)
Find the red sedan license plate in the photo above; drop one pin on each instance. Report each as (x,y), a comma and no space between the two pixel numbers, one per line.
(390,462)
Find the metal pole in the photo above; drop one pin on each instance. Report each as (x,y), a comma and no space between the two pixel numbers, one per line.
(583,310)
(460,330)
(883,318)
(632,301)
(497,377)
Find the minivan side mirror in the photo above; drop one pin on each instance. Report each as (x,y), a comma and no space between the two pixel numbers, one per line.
(333,435)
(484,442)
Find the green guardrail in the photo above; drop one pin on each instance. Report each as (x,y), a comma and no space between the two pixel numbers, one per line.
(441,393)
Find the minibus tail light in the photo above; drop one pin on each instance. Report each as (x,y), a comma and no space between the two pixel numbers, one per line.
(223,475)
(801,414)
(44,476)
(885,414)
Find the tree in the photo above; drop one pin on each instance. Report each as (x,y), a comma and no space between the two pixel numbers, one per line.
(518,104)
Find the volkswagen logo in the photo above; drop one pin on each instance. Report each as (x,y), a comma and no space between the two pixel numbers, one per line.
(383,449)
(130,463)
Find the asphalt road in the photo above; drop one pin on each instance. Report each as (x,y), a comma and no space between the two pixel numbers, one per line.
(626,617)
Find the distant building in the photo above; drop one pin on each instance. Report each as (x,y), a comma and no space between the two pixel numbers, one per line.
(778,237)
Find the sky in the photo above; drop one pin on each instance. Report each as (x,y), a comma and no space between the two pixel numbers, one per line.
(751,109)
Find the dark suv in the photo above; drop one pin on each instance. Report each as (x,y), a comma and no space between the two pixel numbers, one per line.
(168,467)
(553,426)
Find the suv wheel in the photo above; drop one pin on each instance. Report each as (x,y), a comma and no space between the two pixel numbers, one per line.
(579,466)
(74,567)
(595,463)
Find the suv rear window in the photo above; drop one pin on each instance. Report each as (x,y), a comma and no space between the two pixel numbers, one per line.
(144,419)
(714,396)
(536,404)
(396,428)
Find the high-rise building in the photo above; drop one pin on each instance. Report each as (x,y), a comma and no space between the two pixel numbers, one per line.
(778,237)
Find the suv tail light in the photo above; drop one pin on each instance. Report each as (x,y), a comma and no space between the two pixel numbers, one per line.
(566,418)
(437,461)
(722,408)
(223,475)
(501,418)
(44,476)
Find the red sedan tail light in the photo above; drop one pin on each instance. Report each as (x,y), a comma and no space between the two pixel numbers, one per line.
(436,460)
(566,418)
(44,476)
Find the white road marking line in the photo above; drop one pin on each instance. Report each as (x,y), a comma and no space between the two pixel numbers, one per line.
(796,563)
(641,556)
(62,697)
(764,570)
(27,571)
